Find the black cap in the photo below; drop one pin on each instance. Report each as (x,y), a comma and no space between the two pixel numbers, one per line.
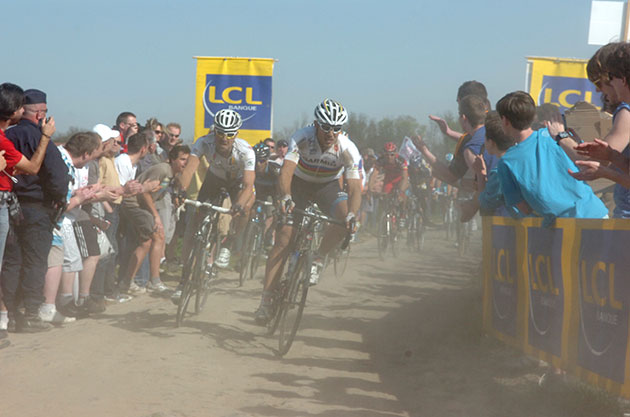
(33,96)
(282,142)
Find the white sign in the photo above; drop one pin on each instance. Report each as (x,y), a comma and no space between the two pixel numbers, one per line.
(607,22)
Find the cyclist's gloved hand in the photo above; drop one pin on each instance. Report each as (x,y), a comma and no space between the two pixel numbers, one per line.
(237,210)
(286,204)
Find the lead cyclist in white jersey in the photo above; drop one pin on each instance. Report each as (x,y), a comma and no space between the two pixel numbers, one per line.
(317,158)
(232,164)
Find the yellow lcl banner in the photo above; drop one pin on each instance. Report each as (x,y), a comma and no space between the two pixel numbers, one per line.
(562,294)
(240,84)
(560,81)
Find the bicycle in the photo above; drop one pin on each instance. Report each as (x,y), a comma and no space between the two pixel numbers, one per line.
(290,294)
(388,226)
(197,272)
(253,242)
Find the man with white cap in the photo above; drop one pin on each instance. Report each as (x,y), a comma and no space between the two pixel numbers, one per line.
(103,171)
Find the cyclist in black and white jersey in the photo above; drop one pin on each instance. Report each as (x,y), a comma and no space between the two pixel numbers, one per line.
(318,156)
(231,163)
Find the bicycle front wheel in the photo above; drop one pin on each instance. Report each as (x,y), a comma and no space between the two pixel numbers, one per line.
(341,261)
(187,292)
(293,304)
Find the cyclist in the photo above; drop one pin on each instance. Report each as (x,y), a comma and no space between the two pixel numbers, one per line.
(318,156)
(266,184)
(394,168)
(231,166)
(267,171)
(419,173)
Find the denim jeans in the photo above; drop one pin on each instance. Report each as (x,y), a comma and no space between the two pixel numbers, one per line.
(26,259)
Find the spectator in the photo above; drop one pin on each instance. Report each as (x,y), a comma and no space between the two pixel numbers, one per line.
(608,71)
(144,218)
(469,88)
(155,132)
(81,250)
(126,166)
(25,258)
(170,138)
(489,198)
(281,150)
(532,175)
(127,125)
(472,113)
(272,147)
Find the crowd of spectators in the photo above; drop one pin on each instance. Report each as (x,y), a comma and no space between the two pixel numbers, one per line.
(72,214)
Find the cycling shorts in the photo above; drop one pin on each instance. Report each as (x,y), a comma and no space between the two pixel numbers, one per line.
(327,195)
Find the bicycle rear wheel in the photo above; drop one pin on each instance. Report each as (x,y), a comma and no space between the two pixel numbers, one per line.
(293,304)
(278,299)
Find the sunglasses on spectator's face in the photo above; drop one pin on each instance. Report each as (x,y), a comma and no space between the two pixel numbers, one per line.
(327,128)
(158,132)
(226,135)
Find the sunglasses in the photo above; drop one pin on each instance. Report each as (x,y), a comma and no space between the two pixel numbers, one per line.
(390,153)
(227,135)
(328,128)
(158,132)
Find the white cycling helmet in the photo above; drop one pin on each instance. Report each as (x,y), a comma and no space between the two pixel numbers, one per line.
(330,112)
(227,121)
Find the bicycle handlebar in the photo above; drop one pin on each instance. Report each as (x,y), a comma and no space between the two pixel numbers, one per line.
(328,219)
(209,206)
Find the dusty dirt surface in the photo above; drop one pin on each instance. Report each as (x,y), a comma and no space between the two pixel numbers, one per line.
(395,338)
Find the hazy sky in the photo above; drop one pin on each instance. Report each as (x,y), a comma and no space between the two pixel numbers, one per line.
(96,59)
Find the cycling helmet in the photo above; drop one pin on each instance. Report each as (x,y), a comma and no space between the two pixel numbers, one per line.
(329,112)
(390,147)
(262,151)
(448,157)
(227,121)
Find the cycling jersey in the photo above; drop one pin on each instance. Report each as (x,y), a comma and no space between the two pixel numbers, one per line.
(321,166)
(393,171)
(242,158)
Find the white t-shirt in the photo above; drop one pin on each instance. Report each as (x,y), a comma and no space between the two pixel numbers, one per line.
(231,168)
(317,165)
(126,171)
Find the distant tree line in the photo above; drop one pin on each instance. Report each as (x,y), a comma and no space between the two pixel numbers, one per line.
(368,132)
